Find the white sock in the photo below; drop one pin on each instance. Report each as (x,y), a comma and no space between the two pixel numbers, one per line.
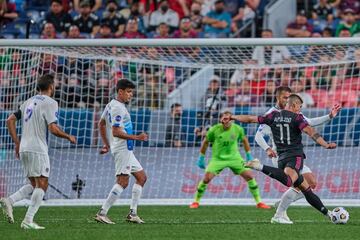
(136,194)
(112,197)
(291,195)
(36,198)
(23,193)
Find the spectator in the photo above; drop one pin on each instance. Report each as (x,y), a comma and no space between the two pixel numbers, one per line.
(48,32)
(322,15)
(270,54)
(269,96)
(327,32)
(354,5)
(236,10)
(214,99)
(94,4)
(7,12)
(231,93)
(344,33)
(299,28)
(298,86)
(349,22)
(105,31)
(74,32)
(86,21)
(181,7)
(146,7)
(132,30)
(114,19)
(72,90)
(174,135)
(164,15)
(196,17)
(162,31)
(244,96)
(185,29)
(60,19)
(218,22)
(135,13)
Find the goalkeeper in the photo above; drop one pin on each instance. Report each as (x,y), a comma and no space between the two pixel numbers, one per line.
(224,137)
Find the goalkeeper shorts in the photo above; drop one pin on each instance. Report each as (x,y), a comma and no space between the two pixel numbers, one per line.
(236,166)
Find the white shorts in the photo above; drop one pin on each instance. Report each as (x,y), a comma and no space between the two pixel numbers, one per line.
(126,163)
(305,169)
(35,164)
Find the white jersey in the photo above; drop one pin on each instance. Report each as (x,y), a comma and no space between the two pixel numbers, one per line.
(115,114)
(36,114)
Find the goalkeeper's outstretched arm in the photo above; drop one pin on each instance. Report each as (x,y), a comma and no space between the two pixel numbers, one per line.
(317,138)
(245,118)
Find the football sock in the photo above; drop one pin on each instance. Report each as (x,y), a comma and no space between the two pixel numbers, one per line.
(315,201)
(277,174)
(112,197)
(254,189)
(200,191)
(23,193)
(36,198)
(136,194)
(291,195)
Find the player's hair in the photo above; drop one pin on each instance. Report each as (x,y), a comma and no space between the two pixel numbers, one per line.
(294,98)
(225,112)
(44,82)
(56,1)
(174,105)
(282,89)
(124,84)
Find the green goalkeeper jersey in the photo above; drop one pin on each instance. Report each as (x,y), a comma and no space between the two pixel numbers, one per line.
(225,142)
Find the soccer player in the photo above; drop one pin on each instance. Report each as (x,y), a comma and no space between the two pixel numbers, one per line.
(38,115)
(116,130)
(291,195)
(287,126)
(225,154)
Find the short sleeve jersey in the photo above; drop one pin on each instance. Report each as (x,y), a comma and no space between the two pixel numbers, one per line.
(286,128)
(37,113)
(225,142)
(116,115)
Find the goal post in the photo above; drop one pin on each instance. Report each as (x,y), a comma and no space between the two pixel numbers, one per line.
(324,71)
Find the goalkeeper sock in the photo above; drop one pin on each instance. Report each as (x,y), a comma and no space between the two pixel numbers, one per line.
(36,198)
(136,194)
(315,201)
(200,191)
(254,189)
(277,174)
(112,197)
(23,193)
(290,196)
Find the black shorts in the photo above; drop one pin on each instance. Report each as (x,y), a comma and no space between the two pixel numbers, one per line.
(294,162)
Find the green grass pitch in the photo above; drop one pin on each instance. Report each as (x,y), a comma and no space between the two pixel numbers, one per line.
(180,222)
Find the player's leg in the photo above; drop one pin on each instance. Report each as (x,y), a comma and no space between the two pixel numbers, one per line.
(294,194)
(39,170)
(213,169)
(136,192)
(237,167)
(24,192)
(122,171)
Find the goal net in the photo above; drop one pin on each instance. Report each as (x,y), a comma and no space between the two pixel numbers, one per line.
(204,77)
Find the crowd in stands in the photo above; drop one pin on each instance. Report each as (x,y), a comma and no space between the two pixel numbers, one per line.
(319,85)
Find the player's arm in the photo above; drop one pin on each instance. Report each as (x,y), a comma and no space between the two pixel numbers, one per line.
(11,125)
(201,160)
(102,130)
(118,132)
(55,129)
(245,118)
(323,119)
(260,140)
(317,138)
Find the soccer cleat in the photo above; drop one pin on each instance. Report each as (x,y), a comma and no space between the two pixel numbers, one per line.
(134,219)
(254,164)
(194,205)
(280,220)
(103,219)
(33,225)
(262,205)
(7,209)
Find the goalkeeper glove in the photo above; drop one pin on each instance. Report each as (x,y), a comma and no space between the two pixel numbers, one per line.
(201,161)
(249,157)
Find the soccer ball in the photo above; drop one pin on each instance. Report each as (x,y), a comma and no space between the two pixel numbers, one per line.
(339,215)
